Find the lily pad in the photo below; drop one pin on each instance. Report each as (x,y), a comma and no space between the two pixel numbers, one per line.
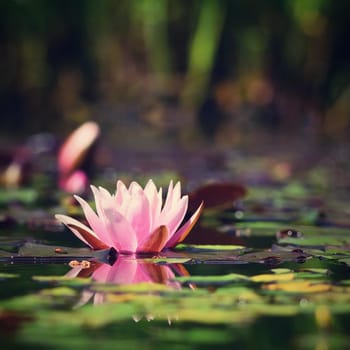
(213,280)
(4,276)
(208,247)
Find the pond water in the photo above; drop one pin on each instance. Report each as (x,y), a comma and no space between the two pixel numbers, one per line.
(270,273)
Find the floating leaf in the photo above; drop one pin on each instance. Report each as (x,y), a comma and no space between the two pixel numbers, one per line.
(299,287)
(275,310)
(272,277)
(319,241)
(213,280)
(239,293)
(23,195)
(273,258)
(345,261)
(208,247)
(63,280)
(315,270)
(59,292)
(196,336)
(43,250)
(31,252)
(4,276)
(144,287)
(281,270)
(166,260)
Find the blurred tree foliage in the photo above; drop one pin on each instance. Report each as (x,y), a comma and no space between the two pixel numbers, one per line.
(228,65)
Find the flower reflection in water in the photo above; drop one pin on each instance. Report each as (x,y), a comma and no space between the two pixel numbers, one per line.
(127,270)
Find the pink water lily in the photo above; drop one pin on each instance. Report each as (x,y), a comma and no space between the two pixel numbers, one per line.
(134,219)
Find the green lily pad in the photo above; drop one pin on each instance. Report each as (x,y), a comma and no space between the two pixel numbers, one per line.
(24,195)
(345,261)
(213,280)
(63,280)
(167,260)
(31,249)
(204,248)
(319,241)
(4,276)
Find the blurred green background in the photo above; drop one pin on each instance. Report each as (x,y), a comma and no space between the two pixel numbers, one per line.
(185,71)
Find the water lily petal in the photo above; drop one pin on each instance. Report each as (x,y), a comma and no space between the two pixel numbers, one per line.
(138,214)
(169,196)
(120,230)
(182,233)
(134,190)
(150,190)
(172,199)
(156,210)
(83,232)
(120,194)
(156,241)
(134,187)
(94,221)
(177,192)
(173,218)
(98,202)
(116,225)
(155,203)
(107,200)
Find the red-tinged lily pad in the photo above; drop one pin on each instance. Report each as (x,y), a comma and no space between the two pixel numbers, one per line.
(209,235)
(12,321)
(216,195)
